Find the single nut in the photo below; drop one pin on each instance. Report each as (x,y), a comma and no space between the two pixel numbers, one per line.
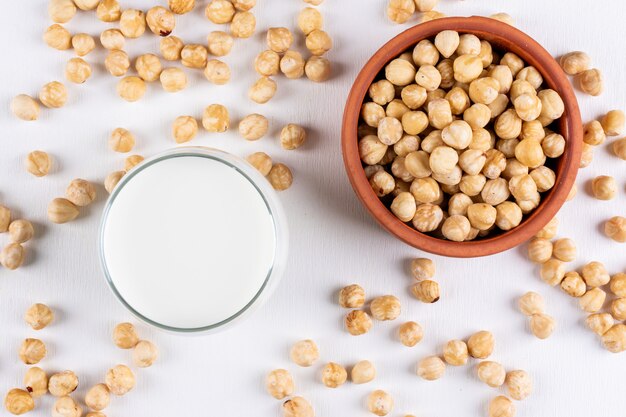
(173,80)
(184,129)
(61,11)
(358,322)
(98,397)
(334,375)
(542,325)
(455,353)
(25,107)
(215,118)
(61,210)
(279,39)
(18,401)
(614,340)
(131,88)
(422,268)
(38,316)
(36,382)
(253,127)
(21,231)
(491,373)
(217,72)
(53,95)
(297,407)
(573,284)
(386,307)
(531,303)
(595,274)
(480,345)
(144,354)
(132,23)
(309,19)
(194,56)
(618,284)
(591,81)
(564,250)
(12,256)
(292,136)
(304,353)
(292,64)
(125,336)
(181,6)
(552,272)
(261,161)
(131,161)
(117,62)
(431,368)
(171,48)
(57,37)
(426,291)
(600,323)
(66,407)
(363,372)
(604,187)
(501,407)
(220,43)
(519,384)
(400,11)
(119,380)
(267,63)
(318,42)
(574,63)
(352,296)
(220,11)
(613,122)
(77,70)
(243,25)
(62,383)
(160,21)
(411,333)
(593,300)
(279,384)
(379,403)
(112,179)
(121,140)
(109,10)
(32,351)
(148,67)
(593,133)
(615,228)
(80,192)
(83,44)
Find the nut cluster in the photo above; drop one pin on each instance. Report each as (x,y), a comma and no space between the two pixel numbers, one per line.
(532,305)
(20,231)
(457,140)
(426,289)
(79,193)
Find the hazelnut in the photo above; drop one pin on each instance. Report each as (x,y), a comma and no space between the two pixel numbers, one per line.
(501,407)
(297,407)
(614,340)
(25,107)
(53,95)
(491,373)
(148,67)
(519,384)
(62,383)
(160,21)
(480,345)
(32,351)
(455,353)
(21,231)
(304,353)
(362,372)
(132,23)
(215,118)
(144,354)
(125,336)
(61,210)
(352,296)
(98,397)
(184,129)
(36,382)
(243,25)
(379,403)
(80,192)
(253,127)
(220,43)
(426,291)
(181,6)
(292,136)
(261,161)
(112,179)
(334,375)
(18,401)
(411,333)
(12,256)
(358,322)
(66,407)
(57,37)
(120,380)
(38,316)
(431,368)
(131,88)
(386,307)
(279,384)
(217,72)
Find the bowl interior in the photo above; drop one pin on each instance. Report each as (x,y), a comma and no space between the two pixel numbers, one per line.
(505,38)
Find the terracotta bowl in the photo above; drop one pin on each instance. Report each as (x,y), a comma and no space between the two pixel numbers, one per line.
(505,38)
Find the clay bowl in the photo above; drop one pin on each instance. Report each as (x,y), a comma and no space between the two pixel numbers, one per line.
(505,38)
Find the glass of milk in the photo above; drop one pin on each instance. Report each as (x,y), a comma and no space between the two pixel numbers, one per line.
(193,240)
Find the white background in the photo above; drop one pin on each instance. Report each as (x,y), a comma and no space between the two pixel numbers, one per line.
(333,243)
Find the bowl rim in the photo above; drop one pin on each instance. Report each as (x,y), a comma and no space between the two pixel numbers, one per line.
(511,39)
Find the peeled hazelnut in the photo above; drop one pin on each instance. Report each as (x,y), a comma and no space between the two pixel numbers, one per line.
(62,383)
(352,296)
(334,375)
(32,351)
(66,407)
(120,380)
(144,354)
(81,192)
(279,384)
(304,353)
(480,344)
(18,401)
(38,163)
(357,322)
(125,336)
(98,397)
(292,136)
(38,316)
(36,382)
(386,307)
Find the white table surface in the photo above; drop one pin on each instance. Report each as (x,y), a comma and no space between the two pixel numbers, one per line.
(333,241)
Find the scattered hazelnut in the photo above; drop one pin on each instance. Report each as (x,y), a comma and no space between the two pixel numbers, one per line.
(181,6)
(334,375)
(32,351)
(304,353)
(125,336)
(12,256)
(144,354)
(109,11)
(21,231)
(455,353)
(98,397)
(215,118)
(352,296)
(491,373)
(194,56)
(120,380)
(217,72)
(279,384)
(66,407)
(53,95)
(411,333)
(18,401)
(25,107)
(62,383)
(112,179)
(297,407)
(614,340)
(83,44)
(386,307)
(80,192)
(480,345)
(253,126)
(542,325)
(363,372)
(38,316)
(426,291)
(57,37)
(132,23)
(501,407)
(131,88)
(148,67)
(431,368)
(184,129)
(519,384)
(422,268)
(358,322)
(379,403)
(615,228)
(220,11)
(262,90)
(173,80)
(292,136)
(171,48)
(36,382)
(593,300)
(243,25)
(261,161)
(160,21)
(220,43)
(600,323)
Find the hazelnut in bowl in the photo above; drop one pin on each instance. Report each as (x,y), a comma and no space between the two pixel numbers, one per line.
(462,136)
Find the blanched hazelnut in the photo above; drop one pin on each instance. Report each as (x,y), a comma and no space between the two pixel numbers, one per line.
(292,64)
(215,118)
(36,382)
(317,69)
(32,351)
(352,296)
(618,309)
(148,67)
(615,228)
(280,177)
(125,336)
(400,72)
(77,70)
(279,39)
(334,375)
(61,210)
(18,401)
(261,161)
(132,23)
(267,63)
(614,340)
(422,268)
(604,187)
(171,48)
(304,353)
(244,5)
(181,6)
(144,354)
(119,379)
(400,11)
(109,10)
(131,88)
(600,323)
(194,56)
(25,107)
(386,307)
(427,218)
(112,179)
(573,284)
(160,21)
(593,300)
(431,368)
(121,140)
(595,274)
(57,37)
(447,42)
(38,316)
(220,43)
(456,228)
(618,285)
(131,161)
(184,129)
(117,62)
(297,407)
(62,383)
(467,68)
(357,322)
(542,325)
(575,62)
(66,407)
(292,136)
(613,122)
(480,345)
(310,19)
(362,372)
(53,95)
(218,72)
(411,333)
(243,25)
(220,11)
(379,403)
(501,407)
(455,353)
(173,79)
(83,44)
(253,127)
(21,231)
(426,291)
(552,272)
(531,303)
(279,384)
(491,373)
(590,81)
(80,192)
(61,11)
(98,397)
(112,39)
(519,384)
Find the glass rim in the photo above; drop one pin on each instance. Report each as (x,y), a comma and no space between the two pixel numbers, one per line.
(271,202)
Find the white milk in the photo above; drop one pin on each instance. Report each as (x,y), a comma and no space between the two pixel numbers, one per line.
(188,242)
